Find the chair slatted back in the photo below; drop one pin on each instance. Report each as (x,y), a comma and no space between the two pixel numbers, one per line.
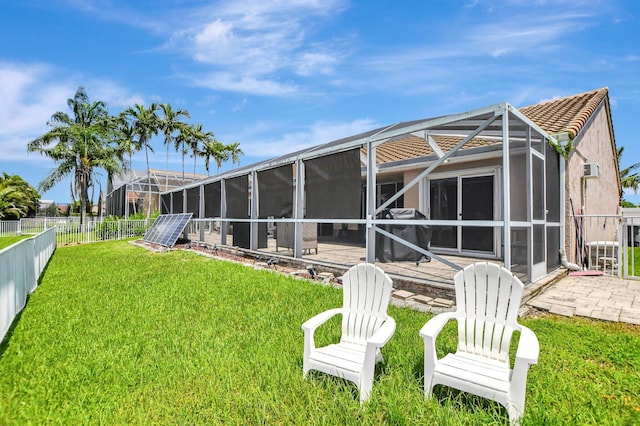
(488,298)
(366,294)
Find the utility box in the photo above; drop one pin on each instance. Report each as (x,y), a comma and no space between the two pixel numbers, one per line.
(591,170)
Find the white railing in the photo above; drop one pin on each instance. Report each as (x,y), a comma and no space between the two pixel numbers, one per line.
(71,232)
(9,228)
(631,242)
(94,231)
(20,267)
(595,242)
(605,243)
(34,225)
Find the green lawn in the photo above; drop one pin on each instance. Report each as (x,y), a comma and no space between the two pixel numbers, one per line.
(118,335)
(7,241)
(634,261)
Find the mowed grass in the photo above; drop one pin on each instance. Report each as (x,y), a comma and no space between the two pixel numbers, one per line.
(634,261)
(118,335)
(7,241)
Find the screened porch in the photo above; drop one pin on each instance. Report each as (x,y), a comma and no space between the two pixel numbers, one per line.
(430,194)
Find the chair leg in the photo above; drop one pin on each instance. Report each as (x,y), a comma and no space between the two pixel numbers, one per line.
(366,385)
(428,380)
(366,375)
(515,411)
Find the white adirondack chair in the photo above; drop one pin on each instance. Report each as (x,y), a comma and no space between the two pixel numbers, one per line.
(366,327)
(488,298)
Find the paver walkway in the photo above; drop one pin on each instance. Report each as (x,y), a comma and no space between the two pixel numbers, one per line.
(600,297)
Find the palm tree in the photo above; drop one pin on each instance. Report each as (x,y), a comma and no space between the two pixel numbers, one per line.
(196,137)
(234,152)
(628,180)
(183,138)
(125,144)
(169,124)
(212,148)
(145,124)
(77,145)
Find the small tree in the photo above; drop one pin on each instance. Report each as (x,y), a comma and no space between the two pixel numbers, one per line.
(627,179)
(52,210)
(17,198)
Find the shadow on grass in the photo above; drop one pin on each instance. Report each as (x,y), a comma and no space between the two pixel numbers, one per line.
(459,400)
(7,338)
(339,383)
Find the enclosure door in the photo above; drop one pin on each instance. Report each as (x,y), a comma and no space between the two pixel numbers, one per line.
(477,204)
(468,198)
(539,252)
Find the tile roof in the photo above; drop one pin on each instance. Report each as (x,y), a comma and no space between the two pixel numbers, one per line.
(414,147)
(567,114)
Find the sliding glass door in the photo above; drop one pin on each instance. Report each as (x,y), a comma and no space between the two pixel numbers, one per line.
(464,198)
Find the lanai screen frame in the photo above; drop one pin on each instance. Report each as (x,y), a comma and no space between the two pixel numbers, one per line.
(485,122)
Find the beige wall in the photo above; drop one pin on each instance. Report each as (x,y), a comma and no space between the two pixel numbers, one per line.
(412,196)
(594,196)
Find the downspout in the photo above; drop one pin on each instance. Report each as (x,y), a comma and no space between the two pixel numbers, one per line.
(570,266)
(564,140)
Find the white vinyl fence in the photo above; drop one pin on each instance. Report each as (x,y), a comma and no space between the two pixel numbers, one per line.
(9,228)
(606,243)
(94,231)
(20,267)
(69,230)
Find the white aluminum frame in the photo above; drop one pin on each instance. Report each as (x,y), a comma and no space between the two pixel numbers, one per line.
(490,122)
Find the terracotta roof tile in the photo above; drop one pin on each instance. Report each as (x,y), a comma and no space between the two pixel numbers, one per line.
(568,114)
(565,114)
(414,147)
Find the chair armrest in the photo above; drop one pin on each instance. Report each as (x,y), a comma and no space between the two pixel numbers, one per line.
(429,332)
(431,329)
(527,354)
(309,328)
(528,347)
(382,336)
(313,323)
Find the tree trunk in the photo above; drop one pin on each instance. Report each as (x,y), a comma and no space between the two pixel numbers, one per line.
(146,153)
(135,210)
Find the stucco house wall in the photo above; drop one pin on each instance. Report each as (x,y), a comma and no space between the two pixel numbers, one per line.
(592,196)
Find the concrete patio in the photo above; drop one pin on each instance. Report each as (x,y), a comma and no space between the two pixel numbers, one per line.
(600,297)
(429,285)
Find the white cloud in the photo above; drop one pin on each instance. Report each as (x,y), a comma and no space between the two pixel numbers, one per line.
(245,84)
(28,101)
(240,106)
(113,94)
(32,92)
(253,40)
(311,63)
(317,133)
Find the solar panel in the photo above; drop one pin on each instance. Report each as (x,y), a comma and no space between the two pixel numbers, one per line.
(167,228)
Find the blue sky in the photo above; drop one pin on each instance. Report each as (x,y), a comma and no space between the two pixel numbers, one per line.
(280,75)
